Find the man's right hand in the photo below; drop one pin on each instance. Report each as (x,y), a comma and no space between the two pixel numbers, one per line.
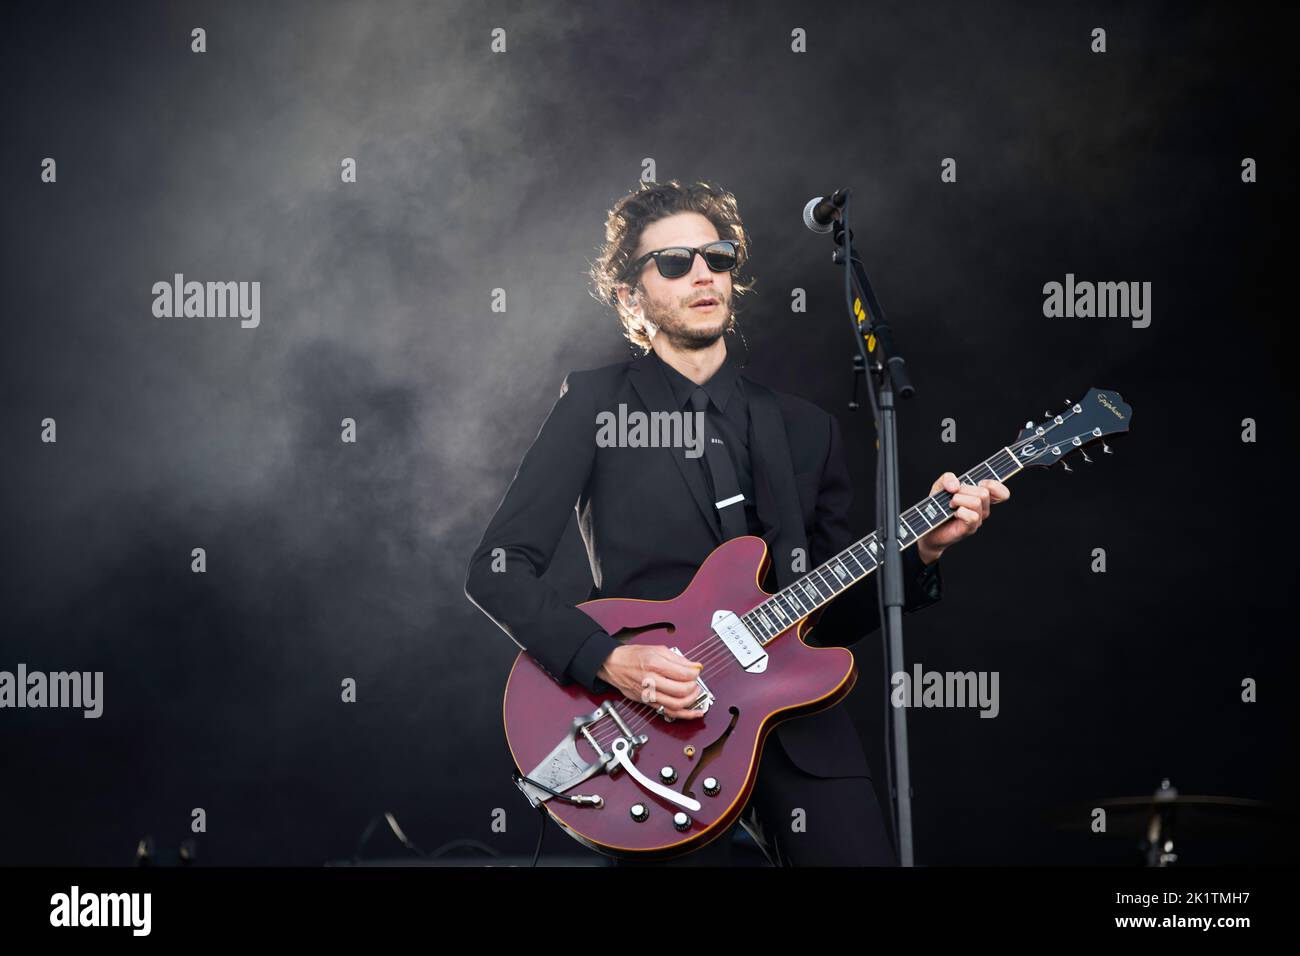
(652,674)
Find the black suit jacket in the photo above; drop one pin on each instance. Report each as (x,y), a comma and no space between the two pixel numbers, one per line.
(646,518)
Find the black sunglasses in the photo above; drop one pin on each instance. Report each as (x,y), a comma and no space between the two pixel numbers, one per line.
(675,261)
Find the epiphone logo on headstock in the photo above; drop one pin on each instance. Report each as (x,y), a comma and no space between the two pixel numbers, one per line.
(1105,401)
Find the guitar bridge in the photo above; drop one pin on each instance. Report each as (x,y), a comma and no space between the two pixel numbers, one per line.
(563,768)
(706,698)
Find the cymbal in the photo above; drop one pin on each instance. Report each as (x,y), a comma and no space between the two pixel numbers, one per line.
(1191,814)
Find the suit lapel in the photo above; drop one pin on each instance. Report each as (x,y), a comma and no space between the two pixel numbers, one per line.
(778,501)
(657,396)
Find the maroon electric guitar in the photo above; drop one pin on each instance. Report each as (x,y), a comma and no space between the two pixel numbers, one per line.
(622,779)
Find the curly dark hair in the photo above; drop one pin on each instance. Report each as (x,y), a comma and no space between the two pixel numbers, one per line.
(649,203)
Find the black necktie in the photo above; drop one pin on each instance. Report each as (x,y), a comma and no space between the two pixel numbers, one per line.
(727,499)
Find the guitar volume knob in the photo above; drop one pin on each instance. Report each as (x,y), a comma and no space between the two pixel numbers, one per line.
(639,813)
(681,821)
(711,786)
(667,774)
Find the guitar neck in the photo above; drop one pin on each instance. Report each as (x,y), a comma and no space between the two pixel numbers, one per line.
(855,563)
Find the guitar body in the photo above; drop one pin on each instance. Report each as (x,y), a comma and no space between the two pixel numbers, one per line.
(724,745)
(595,762)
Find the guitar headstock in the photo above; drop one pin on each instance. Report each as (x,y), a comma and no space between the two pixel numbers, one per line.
(1100,414)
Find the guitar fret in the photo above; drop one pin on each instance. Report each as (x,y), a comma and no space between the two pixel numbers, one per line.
(933,511)
(856,562)
(864,559)
(782,617)
(915,522)
(1012,466)
(824,593)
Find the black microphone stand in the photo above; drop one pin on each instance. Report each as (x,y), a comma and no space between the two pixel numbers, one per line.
(877,353)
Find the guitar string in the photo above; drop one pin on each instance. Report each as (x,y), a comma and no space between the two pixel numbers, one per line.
(821,580)
(721,653)
(778,611)
(644,714)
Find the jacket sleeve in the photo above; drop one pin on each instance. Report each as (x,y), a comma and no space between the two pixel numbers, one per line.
(856,612)
(504,577)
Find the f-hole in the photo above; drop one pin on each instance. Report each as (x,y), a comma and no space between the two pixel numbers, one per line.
(624,633)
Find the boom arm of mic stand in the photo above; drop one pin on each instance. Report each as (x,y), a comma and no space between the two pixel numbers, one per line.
(872,317)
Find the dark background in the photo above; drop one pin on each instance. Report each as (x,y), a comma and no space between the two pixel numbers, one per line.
(479,171)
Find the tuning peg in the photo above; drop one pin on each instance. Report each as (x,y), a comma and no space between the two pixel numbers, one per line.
(1085,456)
(1106,448)
(1066,466)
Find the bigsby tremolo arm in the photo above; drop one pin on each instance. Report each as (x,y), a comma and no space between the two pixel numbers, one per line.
(621,748)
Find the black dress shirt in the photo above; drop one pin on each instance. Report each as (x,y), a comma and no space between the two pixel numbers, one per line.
(728,412)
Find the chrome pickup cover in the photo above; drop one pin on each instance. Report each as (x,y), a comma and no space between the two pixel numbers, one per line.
(744,646)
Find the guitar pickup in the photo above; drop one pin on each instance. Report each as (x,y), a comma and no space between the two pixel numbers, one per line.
(744,646)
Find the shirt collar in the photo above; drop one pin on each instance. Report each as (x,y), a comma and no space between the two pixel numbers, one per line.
(719,388)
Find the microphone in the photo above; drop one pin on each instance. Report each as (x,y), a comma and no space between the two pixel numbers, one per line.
(824,210)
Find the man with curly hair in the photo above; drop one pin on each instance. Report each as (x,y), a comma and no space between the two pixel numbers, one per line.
(670,267)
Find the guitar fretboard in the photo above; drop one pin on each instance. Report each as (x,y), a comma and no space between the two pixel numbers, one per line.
(825,582)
